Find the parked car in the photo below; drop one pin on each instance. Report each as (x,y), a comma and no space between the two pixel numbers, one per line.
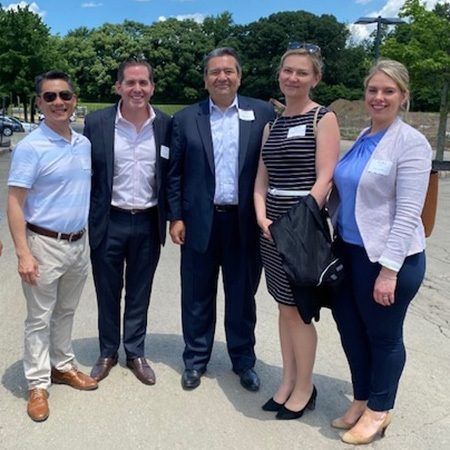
(5,129)
(27,126)
(14,124)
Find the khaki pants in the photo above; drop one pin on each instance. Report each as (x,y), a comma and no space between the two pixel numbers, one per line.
(51,305)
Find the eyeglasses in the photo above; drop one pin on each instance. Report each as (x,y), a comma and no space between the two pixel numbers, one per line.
(310,48)
(51,96)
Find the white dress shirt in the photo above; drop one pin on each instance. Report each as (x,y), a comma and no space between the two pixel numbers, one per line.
(134,180)
(225,138)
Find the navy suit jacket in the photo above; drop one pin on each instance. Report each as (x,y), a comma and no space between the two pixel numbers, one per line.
(191,179)
(99,129)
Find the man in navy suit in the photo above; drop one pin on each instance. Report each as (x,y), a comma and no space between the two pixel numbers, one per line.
(127,218)
(215,152)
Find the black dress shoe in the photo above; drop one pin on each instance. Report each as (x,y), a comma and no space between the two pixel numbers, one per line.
(141,369)
(102,367)
(191,378)
(271,405)
(286,414)
(249,380)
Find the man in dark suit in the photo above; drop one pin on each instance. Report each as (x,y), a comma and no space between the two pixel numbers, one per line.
(127,218)
(215,151)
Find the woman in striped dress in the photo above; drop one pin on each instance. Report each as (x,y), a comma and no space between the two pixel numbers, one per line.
(298,157)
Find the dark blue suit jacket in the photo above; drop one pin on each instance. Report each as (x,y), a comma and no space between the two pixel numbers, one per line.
(191,179)
(99,129)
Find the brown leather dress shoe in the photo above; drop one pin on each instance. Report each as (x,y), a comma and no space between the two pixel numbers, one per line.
(102,367)
(37,407)
(144,373)
(75,379)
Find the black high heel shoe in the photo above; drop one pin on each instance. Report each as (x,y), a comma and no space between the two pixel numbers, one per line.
(286,414)
(271,405)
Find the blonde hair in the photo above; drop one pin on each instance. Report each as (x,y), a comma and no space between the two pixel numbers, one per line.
(316,59)
(394,70)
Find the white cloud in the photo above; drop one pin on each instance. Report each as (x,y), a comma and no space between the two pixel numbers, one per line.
(197,17)
(91,5)
(390,9)
(32,7)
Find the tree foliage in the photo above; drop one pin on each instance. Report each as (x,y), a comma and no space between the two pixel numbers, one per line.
(176,50)
(262,43)
(424,47)
(26,49)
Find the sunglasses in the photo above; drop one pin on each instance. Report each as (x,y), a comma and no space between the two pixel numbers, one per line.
(51,96)
(310,48)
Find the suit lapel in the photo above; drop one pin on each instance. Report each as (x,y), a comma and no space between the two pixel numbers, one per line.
(158,140)
(204,129)
(108,136)
(244,134)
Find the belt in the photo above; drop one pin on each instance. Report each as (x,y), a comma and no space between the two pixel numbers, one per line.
(71,237)
(131,211)
(225,208)
(287,193)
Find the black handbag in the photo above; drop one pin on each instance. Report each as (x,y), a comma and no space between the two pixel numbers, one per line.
(303,239)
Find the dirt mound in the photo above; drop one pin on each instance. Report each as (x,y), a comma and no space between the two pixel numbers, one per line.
(350,114)
(341,106)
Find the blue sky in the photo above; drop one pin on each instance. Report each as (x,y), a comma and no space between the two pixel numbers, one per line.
(64,15)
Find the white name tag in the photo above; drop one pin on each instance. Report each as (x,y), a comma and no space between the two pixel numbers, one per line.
(380,167)
(165,152)
(246,114)
(297,131)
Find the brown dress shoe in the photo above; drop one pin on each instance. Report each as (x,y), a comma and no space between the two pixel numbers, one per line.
(37,407)
(102,367)
(144,373)
(75,379)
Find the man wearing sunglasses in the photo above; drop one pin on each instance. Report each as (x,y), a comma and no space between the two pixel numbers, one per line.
(48,203)
(127,220)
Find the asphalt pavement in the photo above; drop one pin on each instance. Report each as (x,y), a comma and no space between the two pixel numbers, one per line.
(220,414)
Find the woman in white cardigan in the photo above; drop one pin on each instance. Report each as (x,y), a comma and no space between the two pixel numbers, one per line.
(381,184)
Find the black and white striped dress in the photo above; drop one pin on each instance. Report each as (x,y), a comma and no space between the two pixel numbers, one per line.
(291,165)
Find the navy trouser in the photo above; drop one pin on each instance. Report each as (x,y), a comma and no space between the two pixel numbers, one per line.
(131,245)
(372,334)
(241,271)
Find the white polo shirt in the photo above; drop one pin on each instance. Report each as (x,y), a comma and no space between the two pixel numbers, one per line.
(57,173)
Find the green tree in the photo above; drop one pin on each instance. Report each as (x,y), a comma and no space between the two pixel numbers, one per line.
(262,43)
(26,49)
(176,50)
(219,29)
(424,46)
(94,55)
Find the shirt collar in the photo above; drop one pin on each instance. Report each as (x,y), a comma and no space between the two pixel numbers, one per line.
(213,107)
(54,136)
(120,118)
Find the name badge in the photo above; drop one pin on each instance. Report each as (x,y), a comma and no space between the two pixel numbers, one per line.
(246,114)
(380,167)
(165,152)
(298,131)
